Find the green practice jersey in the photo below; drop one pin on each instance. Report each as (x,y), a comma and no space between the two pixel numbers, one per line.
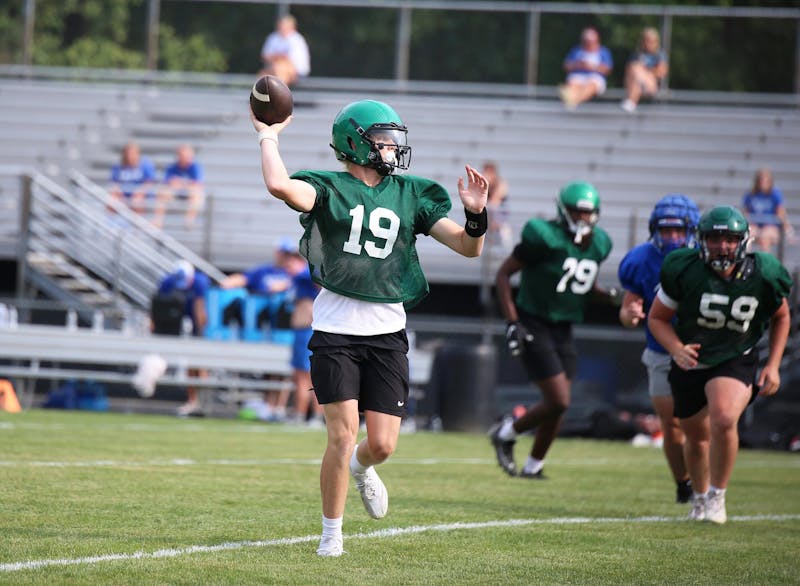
(360,240)
(726,317)
(557,273)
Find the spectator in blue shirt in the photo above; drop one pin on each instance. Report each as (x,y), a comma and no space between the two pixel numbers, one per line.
(192,286)
(183,178)
(587,66)
(132,179)
(763,207)
(304,291)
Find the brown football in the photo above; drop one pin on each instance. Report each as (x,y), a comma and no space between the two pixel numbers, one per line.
(271,100)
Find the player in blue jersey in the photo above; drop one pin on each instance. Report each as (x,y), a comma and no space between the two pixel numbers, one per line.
(361,226)
(672,224)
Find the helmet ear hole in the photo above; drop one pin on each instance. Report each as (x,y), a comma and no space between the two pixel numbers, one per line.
(350,143)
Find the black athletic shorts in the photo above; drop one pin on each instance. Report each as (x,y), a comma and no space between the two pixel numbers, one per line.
(371,369)
(552,350)
(689,386)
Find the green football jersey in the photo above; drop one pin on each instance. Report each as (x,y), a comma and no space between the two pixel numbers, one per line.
(726,317)
(557,273)
(360,240)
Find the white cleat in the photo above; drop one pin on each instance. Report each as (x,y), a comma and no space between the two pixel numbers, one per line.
(373,493)
(698,512)
(715,508)
(331,547)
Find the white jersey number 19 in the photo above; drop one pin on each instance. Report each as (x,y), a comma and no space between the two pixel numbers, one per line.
(386,233)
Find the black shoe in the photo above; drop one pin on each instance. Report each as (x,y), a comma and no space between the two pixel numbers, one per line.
(504,450)
(684,491)
(533,475)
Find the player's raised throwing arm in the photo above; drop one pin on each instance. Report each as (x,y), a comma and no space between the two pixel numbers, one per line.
(298,194)
(468,239)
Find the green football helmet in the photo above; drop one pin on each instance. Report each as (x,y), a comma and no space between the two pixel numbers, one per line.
(723,220)
(578,197)
(362,129)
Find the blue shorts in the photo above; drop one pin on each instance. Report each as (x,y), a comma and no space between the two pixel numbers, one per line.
(301,355)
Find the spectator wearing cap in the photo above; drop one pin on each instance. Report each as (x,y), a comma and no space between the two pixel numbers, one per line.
(273,279)
(191,285)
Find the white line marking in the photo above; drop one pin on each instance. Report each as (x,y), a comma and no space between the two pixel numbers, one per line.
(379,534)
(565,462)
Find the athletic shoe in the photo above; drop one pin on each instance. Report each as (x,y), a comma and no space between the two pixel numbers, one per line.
(684,491)
(503,450)
(628,106)
(188,408)
(715,508)
(373,493)
(331,546)
(533,475)
(698,512)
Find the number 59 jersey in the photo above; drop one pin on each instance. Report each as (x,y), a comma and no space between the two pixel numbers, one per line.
(360,240)
(557,273)
(726,317)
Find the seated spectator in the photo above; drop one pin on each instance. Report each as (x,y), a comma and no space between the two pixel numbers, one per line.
(190,286)
(183,178)
(763,207)
(499,233)
(269,279)
(132,179)
(285,52)
(587,66)
(645,69)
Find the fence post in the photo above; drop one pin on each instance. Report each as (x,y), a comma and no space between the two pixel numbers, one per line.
(401,63)
(24,234)
(532,50)
(153,16)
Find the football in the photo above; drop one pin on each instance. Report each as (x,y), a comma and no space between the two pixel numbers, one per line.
(271,100)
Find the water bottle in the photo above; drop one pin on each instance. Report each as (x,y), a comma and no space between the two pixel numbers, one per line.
(13,318)
(97,322)
(72,320)
(186,326)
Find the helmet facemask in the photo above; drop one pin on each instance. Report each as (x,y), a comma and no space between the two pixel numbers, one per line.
(388,150)
(724,262)
(668,245)
(580,229)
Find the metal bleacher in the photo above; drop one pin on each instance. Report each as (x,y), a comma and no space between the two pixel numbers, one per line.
(708,151)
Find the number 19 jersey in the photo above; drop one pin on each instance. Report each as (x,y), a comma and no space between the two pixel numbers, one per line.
(726,317)
(557,273)
(360,240)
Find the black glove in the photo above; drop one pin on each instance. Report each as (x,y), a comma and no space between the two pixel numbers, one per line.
(517,335)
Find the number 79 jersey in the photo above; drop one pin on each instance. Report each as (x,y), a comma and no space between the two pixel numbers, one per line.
(360,241)
(726,317)
(557,273)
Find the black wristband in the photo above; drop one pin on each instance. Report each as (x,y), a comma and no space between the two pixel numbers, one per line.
(477,224)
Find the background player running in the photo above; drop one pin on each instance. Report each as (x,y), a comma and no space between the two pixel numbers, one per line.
(559,260)
(722,300)
(672,225)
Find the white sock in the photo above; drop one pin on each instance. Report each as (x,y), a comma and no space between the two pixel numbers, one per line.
(701,494)
(533,465)
(507,432)
(716,491)
(331,527)
(356,467)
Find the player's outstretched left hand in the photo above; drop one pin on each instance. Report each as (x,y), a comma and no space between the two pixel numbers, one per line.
(476,191)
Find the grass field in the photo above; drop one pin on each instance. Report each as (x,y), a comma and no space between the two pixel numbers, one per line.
(92,498)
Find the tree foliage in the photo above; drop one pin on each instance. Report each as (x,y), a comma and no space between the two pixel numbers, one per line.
(726,54)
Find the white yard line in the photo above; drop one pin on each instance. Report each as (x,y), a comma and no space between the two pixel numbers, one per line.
(379,534)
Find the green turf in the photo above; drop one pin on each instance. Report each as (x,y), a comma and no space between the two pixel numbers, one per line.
(79,485)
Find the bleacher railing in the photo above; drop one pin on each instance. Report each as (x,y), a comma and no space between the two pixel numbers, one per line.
(96,240)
